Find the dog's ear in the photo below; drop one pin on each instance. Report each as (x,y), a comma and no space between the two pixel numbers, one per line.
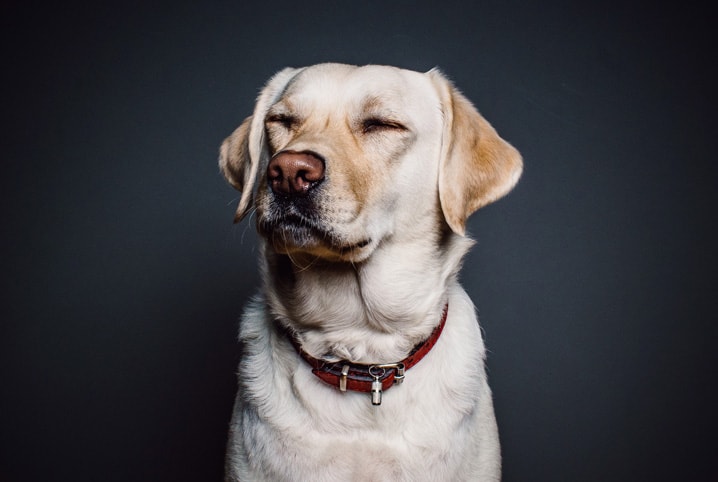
(477,167)
(244,150)
(235,164)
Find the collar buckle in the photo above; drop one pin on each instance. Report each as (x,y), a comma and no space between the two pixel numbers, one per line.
(398,368)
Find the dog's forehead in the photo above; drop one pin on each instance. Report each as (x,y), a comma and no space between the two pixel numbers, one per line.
(370,85)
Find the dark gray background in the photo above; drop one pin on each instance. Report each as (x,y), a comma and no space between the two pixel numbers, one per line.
(123,276)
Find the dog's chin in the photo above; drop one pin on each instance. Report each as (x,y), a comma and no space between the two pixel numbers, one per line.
(296,240)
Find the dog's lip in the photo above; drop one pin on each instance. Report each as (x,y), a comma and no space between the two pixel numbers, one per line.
(343,250)
(363,243)
(293,223)
(298,231)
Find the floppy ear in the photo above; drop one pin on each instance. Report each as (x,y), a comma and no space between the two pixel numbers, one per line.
(477,167)
(235,164)
(244,150)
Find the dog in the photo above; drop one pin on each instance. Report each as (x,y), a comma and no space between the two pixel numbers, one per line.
(362,358)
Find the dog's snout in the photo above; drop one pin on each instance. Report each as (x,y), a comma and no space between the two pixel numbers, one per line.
(294,173)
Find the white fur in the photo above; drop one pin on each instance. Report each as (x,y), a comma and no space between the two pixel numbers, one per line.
(371,304)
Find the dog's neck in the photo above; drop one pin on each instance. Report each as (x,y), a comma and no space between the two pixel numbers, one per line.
(394,298)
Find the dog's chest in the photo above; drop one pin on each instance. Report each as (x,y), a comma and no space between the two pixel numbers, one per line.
(405,450)
(314,432)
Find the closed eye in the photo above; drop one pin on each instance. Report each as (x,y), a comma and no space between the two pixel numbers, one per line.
(287,121)
(375,124)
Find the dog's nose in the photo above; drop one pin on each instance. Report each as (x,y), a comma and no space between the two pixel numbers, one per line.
(294,173)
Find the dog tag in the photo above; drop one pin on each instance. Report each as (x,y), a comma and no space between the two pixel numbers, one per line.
(376,391)
(376,371)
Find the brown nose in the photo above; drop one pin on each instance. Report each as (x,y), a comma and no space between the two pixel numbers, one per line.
(294,173)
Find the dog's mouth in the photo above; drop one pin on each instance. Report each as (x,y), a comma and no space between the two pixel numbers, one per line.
(296,233)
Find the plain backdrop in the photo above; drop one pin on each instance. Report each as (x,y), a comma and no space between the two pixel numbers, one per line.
(123,276)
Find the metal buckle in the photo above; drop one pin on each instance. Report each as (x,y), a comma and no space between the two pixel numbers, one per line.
(399,371)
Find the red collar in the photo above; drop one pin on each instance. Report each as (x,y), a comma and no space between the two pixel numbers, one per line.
(370,378)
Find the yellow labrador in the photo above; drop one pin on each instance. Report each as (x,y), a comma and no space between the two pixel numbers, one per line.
(362,359)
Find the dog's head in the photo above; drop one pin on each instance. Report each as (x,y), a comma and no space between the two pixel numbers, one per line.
(344,157)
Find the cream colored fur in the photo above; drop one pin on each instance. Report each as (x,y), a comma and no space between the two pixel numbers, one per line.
(368,282)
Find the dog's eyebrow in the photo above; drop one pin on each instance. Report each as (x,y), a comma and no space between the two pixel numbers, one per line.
(372,103)
(377,103)
(379,106)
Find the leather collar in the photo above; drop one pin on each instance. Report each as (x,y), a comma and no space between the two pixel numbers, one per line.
(375,378)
